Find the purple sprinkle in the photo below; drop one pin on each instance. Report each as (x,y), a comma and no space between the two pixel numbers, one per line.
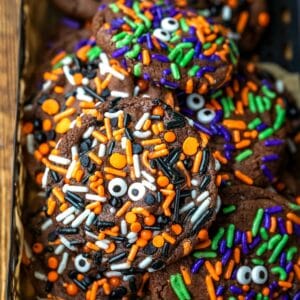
(218,117)
(289,267)
(214,128)
(222,247)
(270,157)
(70,23)
(169,84)
(149,42)
(245,249)
(285,297)
(187,112)
(273,142)
(273,286)
(91,42)
(120,52)
(197,265)
(261,127)
(117,23)
(233,274)
(281,225)
(267,221)
(192,30)
(159,57)
(141,39)
(297,229)
(274,209)
(166,72)
(190,40)
(225,133)
(297,296)
(163,45)
(124,64)
(267,172)
(101,7)
(228,155)
(140,57)
(282,260)
(214,57)
(80,44)
(255,242)
(220,290)
(146,76)
(229,147)
(198,49)
(202,128)
(250,296)
(237,237)
(235,290)
(226,257)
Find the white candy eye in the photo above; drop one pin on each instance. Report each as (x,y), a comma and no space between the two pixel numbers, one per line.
(162,35)
(259,274)
(243,275)
(205,115)
(169,24)
(195,101)
(117,187)
(82,264)
(136,191)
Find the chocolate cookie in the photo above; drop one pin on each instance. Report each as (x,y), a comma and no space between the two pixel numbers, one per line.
(253,253)
(246,19)
(172,46)
(133,183)
(245,123)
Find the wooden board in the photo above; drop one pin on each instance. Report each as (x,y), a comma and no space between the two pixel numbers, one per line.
(9,37)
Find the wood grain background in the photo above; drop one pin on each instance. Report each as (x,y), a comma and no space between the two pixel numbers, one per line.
(9,44)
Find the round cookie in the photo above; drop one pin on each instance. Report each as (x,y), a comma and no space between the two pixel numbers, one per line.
(252,253)
(246,19)
(172,46)
(133,181)
(245,123)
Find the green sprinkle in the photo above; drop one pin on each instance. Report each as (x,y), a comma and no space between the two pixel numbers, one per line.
(205,254)
(206,46)
(234,47)
(137,69)
(184,26)
(291,252)
(93,53)
(226,108)
(173,54)
(231,298)
(263,233)
(254,123)
(114,7)
(265,134)
(186,45)
(266,298)
(259,296)
(259,104)
(139,30)
(230,103)
(280,271)
(175,71)
(134,52)
(126,41)
(179,57)
(230,235)
(175,38)
(217,94)
(147,22)
(179,287)
(251,100)
(243,155)
(187,58)
(258,261)
(277,251)
(220,40)
(274,241)
(193,70)
(61,62)
(294,206)
(130,22)
(257,221)
(267,102)
(229,209)
(216,239)
(280,117)
(119,36)
(262,249)
(233,58)
(268,92)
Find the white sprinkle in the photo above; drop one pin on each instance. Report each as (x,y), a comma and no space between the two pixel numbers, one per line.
(67,60)
(59,160)
(30,143)
(94,143)
(131,235)
(67,243)
(226,13)
(45,178)
(113,115)
(106,68)
(133,240)
(88,132)
(110,274)
(46,85)
(94,197)
(91,235)
(65,213)
(217,165)
(123,142)
(90,219)
(291,145)
(140,123)
(136,90)
(219,203)
(112,210)
(119,94)
(80,218)
(73,124)
(149,185)
(123,227)
(147,176)
(75,188)
(279,86)
(74,151)
(233,35)
(145,262)
(195,182)
(46,224)
(202,196)
(68,75)
(121,266)
(127,277)
(142,134)
(28,250)
(136,166)
(59,249)
(85,81)
(63,263)
(104,58)
(84,97)
(101,151)
(194,194)
(187,207)
(40,276)
(102,245)
(71,169)
(146,96)
(68,219)
(28,108)
(200,210)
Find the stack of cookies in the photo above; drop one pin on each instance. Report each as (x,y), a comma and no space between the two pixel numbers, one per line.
(162,155)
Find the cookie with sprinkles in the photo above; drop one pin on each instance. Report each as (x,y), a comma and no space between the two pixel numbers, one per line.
(247,20)
(170,45)
(252,253)
(245,123)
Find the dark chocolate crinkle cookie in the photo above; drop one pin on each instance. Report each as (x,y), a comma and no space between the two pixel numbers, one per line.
(252,252)
(132,184)
(170,45)
(247,19)
(245,122)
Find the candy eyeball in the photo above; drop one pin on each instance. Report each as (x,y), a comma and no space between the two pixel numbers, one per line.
(169,24)
(243,275)
(117,187)
(259,274)
(195,101)
(136,191)
(206,115)
(82,264)
(162,35)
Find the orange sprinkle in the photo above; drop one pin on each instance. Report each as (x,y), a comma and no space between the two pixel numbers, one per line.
(37,248)
(190,146)
(187,247)
(210,51)
(150,220)
(297,271)
(211,270)
(186,275)
(289,227)
(141,243)
(58,194)
(273,224)
(222,159)
(50,106)
(94,290)
(27,128)
(52,276)
(294,218)
(243,144)
(114,281)
(236,136)
(189,86)
(263,19)
(243,177)
(58,58)
(237,255)
(123,209)
(229,270)
(169,238)
(158,110)
(158,241)
(72,289)
(118,160)
(92,246)
(146,234)
(210,288)
(163,181)
(111,248)
(242,21)
(218,268)
(203,235)
(170,136)
(285,284)
(146,57)
(95,158)
(197,162)
(115,172)
(100,137)
(176,228)
(51,206)
(249,237)
(132,253)
(235,124)
(151,142)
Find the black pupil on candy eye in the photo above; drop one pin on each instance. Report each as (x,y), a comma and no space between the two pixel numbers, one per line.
(261,275)
(163,33)
(196,100)
(172,22)
(247,275)
(207,112)
(117,188)
(82,263)
(135,192)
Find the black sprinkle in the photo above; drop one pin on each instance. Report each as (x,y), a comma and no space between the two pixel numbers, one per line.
(155,117)
(149,249)
(117,257)
(115,202)
(92,93)
(188,163)
(37,124)
(176,205)
(174,156)
(104,224)
(160,197)
(51,135)
(85,161)
(77,242)
(80,284)
(158,265)
(118,293)
(91,74)
(54,176)
(205,182)
(118,238)
(154,228)
(129,134)
(114,101)
(114,122)
(150,199)
(127,119)
(163,220)
(203,220)
(67,230)
(204,162)
(49,286)
(97,258)
(40,137)
(132,285)
(137,149)
(52,236)
(85,179)
(165,250)
(175,124)
(110,148)
(91,168)
(105,93)
(42,99)
(185,193)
